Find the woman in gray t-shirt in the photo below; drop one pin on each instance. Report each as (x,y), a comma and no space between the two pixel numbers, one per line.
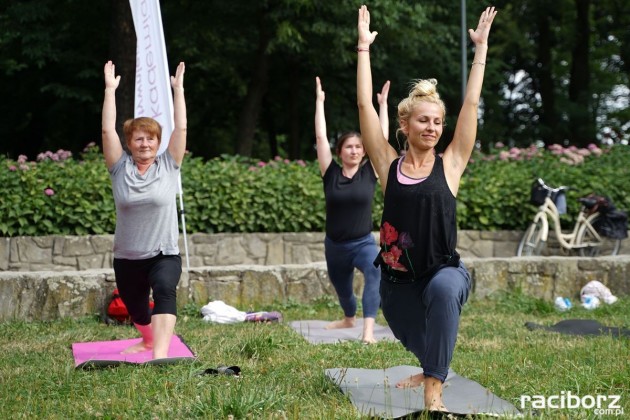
(145,184)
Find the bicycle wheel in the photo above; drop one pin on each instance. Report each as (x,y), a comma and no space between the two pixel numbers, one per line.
(591,244)
(532,242)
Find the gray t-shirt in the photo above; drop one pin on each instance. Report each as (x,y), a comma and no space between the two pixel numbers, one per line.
(146,208)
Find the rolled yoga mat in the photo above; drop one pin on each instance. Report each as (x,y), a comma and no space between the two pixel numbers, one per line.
(581,327)
(373,392)
(108,353)
(315,332)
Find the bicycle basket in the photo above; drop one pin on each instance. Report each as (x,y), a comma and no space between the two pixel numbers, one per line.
(538,195)
(612,224)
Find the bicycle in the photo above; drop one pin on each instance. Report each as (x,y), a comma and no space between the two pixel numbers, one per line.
(584,237)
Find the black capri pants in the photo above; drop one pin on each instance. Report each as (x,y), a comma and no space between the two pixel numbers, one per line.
(136,279)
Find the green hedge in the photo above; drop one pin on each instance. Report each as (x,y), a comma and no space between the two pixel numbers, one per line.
(59,194)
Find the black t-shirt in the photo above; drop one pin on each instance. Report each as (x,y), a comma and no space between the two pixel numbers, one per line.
(348,202)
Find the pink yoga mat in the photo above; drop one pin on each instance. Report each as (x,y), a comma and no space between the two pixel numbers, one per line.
(108,353)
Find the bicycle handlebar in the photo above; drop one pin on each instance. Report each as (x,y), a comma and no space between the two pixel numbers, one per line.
(547,187)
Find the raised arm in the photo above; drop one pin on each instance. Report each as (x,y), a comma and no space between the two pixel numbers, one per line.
(177,143)
(381,154)
(112,149)
(458,152)
(324,155)
(382,109)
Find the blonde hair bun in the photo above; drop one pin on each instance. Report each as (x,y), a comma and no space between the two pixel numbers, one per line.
(424,87)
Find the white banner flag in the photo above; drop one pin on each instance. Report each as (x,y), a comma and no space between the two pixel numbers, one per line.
(153,96)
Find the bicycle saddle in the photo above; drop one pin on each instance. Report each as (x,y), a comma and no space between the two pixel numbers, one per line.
(588,202)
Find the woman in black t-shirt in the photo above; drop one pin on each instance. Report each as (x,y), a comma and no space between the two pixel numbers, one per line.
(349,243)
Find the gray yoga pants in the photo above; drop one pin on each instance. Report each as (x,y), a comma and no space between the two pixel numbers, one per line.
(425,316)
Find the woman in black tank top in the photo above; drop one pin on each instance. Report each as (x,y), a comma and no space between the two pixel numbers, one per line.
(349,243)
(424,284)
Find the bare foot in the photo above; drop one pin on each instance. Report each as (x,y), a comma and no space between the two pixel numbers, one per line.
(440,407)
(343,323)
(137,348)
(433,394)
(369,339)
(368,331)
(413,381)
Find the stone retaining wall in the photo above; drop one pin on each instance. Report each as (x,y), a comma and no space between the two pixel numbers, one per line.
(51,295)
(72,253)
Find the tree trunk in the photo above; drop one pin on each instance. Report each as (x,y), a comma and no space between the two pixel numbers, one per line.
(582,124)
(270,127)
(122,48)
(294,113)
(548,117)
(255,92)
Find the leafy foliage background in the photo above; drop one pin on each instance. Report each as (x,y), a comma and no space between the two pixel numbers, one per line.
(57,194)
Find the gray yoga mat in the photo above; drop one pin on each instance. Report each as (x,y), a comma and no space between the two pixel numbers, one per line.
(373,392)
(316,333)
(581,327)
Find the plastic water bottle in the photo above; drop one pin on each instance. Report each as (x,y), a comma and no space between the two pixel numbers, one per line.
(590,301)
(567,302)
(562,304)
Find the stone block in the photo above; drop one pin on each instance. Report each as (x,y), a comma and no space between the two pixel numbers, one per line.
(256,248)
(75,246)
(298,254)
(304,283)
(43,241)
(29,251)
(58,245)
(90,261)
(232,252)
(108,260)
(5,247)
(102,243)
(275,253)
(194,261)
(482,248)
(258,286)
(66,261)
(14,253)
(205,251)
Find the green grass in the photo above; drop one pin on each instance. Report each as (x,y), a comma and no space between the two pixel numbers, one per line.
(283,376)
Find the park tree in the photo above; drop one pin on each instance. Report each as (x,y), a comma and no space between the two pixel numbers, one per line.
(51,56)
(557,71)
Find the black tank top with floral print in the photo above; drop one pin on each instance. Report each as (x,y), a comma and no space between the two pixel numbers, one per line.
(418,228)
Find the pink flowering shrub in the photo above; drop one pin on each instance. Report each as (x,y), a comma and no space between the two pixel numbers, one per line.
(494,193)
(56,195)
(570,155)
(72,195)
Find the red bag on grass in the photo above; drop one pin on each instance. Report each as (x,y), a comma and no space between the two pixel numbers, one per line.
(117,311)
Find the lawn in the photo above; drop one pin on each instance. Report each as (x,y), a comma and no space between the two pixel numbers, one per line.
(283,376)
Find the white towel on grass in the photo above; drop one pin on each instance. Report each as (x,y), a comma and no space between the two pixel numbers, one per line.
(221,313)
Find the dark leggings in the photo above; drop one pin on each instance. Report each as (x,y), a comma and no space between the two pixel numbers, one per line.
(341,259)
(136,279)
(425,316)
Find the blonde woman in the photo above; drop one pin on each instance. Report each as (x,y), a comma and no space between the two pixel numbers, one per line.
(423,282)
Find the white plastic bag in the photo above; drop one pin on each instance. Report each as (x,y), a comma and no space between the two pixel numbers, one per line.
(598,290)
